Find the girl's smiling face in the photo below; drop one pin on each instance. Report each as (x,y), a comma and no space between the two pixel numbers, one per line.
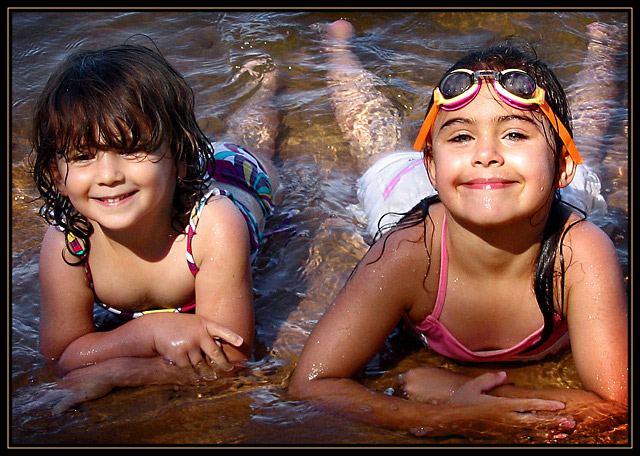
(119,191)
(493,164)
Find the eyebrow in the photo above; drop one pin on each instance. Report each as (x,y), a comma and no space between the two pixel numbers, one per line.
(497,119)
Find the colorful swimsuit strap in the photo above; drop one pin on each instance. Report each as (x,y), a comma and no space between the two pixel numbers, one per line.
(191,231)
(444,272)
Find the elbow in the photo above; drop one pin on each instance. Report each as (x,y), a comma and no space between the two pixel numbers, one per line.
(56,365)
(304,386)
(619,395)
(51,359)
(64,365)
(59,363)
(300,388)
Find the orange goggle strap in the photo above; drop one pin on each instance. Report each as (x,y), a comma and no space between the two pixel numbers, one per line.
(425,130)
(563,132)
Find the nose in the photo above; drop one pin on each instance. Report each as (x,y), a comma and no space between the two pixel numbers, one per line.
(108,169)
(487,153)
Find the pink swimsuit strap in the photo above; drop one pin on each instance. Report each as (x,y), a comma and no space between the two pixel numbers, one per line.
(444,271)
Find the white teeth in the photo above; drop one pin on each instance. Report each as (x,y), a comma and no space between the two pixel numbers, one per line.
(114,199)
(111,200)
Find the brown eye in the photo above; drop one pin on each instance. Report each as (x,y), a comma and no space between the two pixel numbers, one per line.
(80,157)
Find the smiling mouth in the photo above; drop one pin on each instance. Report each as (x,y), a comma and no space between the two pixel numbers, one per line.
(113,200)
(488,184)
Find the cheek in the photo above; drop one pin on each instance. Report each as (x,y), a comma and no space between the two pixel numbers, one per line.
(541,168)
(161,176)
(444,171)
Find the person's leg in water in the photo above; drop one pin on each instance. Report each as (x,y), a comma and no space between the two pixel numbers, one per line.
(395,179)
(253,127)
(592,97)
(366,117)
(594,89)
(255,124)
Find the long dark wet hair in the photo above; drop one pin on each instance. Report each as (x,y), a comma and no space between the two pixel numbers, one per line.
(124,98)
(546,277)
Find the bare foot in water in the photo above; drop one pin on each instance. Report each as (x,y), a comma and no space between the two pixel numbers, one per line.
(341,31)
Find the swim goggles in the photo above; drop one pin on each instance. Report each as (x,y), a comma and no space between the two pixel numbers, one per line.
(515,87)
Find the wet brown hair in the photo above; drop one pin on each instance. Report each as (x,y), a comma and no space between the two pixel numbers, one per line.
(127,99)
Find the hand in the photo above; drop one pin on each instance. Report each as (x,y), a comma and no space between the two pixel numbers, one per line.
(482,415)
(189,339)
(473,391)
(96,380)
(80,385)
(431,385)
(485,416)
(507,419)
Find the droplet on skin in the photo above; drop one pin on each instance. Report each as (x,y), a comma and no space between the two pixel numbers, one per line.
(421,431)
(315,371)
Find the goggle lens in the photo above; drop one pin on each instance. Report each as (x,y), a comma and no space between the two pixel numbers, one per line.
(455,84)
(519,84)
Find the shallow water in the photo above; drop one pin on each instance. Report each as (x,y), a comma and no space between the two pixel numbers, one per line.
(297,276)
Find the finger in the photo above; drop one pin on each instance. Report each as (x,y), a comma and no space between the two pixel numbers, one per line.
(218,331)
(67,402)
(489,381)
(555,424)
(539,405)
(195,357)
(215,355)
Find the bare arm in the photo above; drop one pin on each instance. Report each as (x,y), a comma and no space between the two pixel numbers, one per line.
(69,340)
(597,313)
(136,352)
(352,331)
(224,285)
(96,380)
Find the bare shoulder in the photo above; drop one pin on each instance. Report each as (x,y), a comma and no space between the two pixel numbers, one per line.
(590,256)
(221,213)
(58,267)
(587,241)
(53,238)
(53,250)
(401,262)
(221,225)
(401,246)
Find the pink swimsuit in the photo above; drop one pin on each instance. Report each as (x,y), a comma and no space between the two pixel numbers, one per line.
(434,334)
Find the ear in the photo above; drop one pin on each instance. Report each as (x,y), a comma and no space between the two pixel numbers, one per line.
(182,170)
(566,169)
(57,179)
(431,166)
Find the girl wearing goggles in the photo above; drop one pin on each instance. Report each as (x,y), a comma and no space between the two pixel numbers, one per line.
(493,268)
